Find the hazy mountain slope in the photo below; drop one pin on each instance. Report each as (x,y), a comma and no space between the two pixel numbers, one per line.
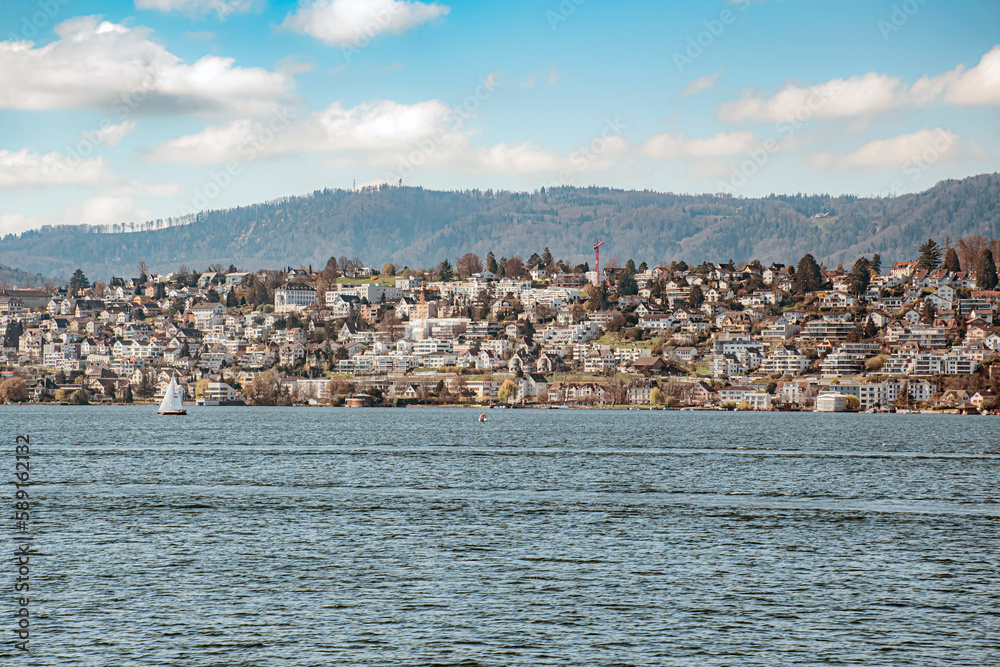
(413,226)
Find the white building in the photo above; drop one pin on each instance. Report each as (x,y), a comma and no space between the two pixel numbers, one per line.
(293,297)
(831,402)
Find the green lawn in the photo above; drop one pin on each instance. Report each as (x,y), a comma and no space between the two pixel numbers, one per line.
(388,281)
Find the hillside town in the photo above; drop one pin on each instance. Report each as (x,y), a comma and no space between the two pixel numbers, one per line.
(916,335)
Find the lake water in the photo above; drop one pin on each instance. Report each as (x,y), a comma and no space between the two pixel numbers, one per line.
(292,536)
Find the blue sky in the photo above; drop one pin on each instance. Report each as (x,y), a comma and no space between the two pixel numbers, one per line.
(117,112)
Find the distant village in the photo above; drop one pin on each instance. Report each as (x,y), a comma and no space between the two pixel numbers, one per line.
(918,335)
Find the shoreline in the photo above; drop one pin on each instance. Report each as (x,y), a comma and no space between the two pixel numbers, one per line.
(521,407)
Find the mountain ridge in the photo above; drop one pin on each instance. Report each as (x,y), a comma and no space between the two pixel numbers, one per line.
(419,227)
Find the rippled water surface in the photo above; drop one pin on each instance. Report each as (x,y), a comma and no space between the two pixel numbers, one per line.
(291,536)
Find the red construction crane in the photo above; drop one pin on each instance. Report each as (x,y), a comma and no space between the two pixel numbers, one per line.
(597,260)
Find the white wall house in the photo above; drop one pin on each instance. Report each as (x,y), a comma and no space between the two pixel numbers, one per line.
(293,297)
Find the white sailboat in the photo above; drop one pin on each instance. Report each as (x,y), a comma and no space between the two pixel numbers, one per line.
(172,403)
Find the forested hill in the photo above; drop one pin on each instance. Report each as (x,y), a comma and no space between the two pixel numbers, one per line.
(11,277)
(414,226)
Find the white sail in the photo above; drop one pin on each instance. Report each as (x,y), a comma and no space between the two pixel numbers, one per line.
(172,401)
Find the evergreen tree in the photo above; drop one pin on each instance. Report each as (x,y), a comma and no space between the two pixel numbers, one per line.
(870,329)
(78,282)
(696,296)
(986,270)
(877,263)
(529,332)
(951,262)
(630,265)
(445,271)
(127,394)
(643,268)
(491,262)
(534,260)
(598,299)
(930,256)
(501,266)
(626,284)
(808,277)
(928,313)
(231,299)
(145,388)
(546,257)
(860,277)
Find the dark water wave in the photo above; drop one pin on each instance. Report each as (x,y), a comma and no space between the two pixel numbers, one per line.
(422,537)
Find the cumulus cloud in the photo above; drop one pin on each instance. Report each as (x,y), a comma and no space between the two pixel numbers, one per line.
(927,146)
(387,134)
(106,209)
(979,85)
(26,168)
(705,169)
(667,146)
(838,98)
(222,8)
(15,223)
(110,135)
(706,82)
(352,23)
(869,94)
(375,127)
(102,65)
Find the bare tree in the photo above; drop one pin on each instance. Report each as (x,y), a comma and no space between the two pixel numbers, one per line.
(390,325)
(460,388)
(337,387)
(515,268)
(469,264)
(969,249)
(616,392)
(542,312)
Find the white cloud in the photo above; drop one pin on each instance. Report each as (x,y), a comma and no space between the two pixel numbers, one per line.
(25,168)
(376,127)
(407,137)
(15,223)
(979,85)
(960,87)
(222,8)
(927,146)
(102,65)
(706,82)
(667,146)
(869,94)
(106,209)
(353,23)
(838,98)
(213,145)
(706,169)
(109,135)
(519,158)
